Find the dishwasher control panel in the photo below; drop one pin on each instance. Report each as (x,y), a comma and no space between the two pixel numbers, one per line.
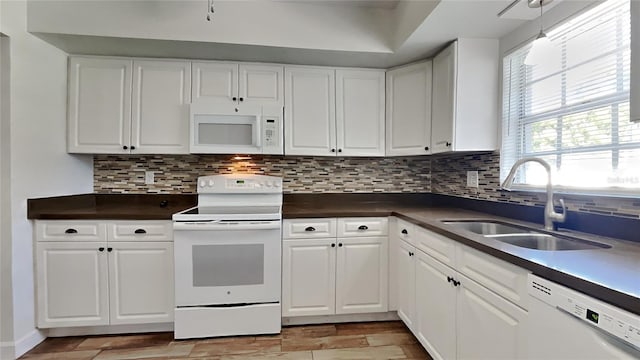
(612,320)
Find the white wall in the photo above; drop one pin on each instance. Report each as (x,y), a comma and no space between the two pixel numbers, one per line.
(6,298)
(39,164)
(266,23)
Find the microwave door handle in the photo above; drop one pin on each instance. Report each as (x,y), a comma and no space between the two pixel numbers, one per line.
(258,131)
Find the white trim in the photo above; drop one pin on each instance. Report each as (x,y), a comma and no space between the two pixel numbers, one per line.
(334,319)
(7,351)
(28,342)
(108,330)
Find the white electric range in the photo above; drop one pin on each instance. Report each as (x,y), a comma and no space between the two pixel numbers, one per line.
(227,254)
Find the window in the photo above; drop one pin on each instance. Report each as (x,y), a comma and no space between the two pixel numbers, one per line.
(573,110)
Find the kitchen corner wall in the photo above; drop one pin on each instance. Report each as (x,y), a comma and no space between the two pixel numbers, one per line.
(178,173)
(439,174)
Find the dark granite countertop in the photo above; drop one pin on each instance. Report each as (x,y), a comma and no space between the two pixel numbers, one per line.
(612,275)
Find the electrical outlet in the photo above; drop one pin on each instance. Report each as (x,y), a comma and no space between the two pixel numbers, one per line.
(472,179)
(149,177)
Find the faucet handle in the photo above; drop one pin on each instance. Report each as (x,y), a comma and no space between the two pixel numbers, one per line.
(563,215)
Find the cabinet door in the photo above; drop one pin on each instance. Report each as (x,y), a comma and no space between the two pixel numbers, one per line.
(99,116)
(489,327)
(362,275)
(72,284)
(405,282)
(360,112)
(435,325)
(261,84)
(308,277)
(160,118)
(214,82)
(141,282)
(409,110)
(310,111)
(444,99)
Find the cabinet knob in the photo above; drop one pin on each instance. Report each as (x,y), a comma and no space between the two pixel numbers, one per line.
(125,147)
(110,249)
(140,231)
(310,228)
(71,231)
(447,144)
(133,147)
(339,244)
(333,150)
(456,283)
(363,227)
(241,99)
(339,150)
(234,98)
(333,245)
(426,148)
(404,231)
(449,279)
(100,249)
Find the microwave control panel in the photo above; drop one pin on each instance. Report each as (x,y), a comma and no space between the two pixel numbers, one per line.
(271,126)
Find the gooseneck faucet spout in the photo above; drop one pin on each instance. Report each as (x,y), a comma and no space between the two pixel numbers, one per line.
(550,215)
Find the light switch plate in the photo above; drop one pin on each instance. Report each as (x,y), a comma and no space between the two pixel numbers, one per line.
(472,179)
(149,177)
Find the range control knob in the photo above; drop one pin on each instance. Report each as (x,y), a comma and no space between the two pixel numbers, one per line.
(269,184)
(277,184)
(203,183)
(210,182)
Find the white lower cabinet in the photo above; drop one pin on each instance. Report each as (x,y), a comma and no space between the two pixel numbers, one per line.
(101,282)
(361,275)
(334,275)
(141,282)
(73,284)
(436,314)
(453,316)
(308,277)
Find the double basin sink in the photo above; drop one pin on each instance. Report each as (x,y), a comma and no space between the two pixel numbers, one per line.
(525,237)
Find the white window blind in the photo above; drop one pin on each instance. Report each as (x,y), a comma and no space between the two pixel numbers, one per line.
(573,110)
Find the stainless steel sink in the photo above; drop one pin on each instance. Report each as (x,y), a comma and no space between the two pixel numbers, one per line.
(488,227)
(546,242)
(525,237)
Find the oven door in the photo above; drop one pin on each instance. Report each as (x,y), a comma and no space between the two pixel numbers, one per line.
(220,263)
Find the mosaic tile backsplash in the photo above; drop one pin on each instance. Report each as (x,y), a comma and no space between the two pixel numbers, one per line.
(441,174)
(178,173)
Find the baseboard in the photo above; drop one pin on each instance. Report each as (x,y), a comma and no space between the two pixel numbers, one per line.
(7,351)
(28,342)
(108,330)
(331,319)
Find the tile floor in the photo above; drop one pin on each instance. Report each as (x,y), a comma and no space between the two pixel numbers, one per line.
(373,340)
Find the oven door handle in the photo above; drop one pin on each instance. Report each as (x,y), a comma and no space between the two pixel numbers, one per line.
(226,226)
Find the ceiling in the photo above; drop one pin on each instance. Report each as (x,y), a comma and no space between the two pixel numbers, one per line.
(359,33)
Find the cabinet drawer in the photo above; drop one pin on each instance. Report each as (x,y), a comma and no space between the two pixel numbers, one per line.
(405,230)
(366,226)
(438,246)
(141,231)
(309,228)
(70,231)
(505,279)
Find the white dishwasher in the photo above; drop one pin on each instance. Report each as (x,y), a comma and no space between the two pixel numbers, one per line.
(565,324)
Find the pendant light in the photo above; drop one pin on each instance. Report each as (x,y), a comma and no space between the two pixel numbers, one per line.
(542,46)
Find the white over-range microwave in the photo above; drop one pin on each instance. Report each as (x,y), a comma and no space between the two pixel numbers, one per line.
(229,129)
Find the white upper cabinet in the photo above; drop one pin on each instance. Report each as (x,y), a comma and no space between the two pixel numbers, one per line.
(360,112)
(160,116)
(99,114)
(465,96)
(332,112)
(121,106)
(310,111)
(408,91)
(226,82)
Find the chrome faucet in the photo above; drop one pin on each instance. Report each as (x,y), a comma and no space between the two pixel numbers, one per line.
(550,215)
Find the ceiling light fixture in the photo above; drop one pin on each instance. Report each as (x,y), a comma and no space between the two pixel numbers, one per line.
(210,9)
(542,46)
